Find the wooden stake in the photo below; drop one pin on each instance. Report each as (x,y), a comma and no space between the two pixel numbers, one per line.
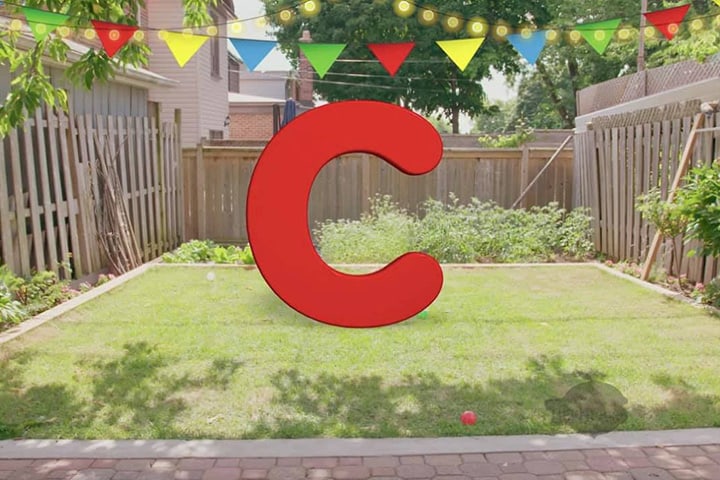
(537,177)
(684,163)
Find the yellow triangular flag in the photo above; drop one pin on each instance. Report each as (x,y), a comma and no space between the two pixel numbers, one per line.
(183,45)
(461,51)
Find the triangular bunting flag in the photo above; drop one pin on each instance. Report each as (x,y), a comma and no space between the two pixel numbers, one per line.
(529,47)
(461,51)
(184,45)
(252,52)
(668,20)
(113,35)
(391,55)
(322,55)
(599,34)
(42,23)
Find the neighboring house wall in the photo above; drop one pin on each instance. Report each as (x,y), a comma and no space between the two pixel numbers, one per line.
(264,84)
(200,95)
(252,126)
(113,98)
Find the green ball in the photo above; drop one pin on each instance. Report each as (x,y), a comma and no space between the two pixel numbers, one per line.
(423,314)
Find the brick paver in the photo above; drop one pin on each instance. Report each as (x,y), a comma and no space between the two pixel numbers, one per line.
(655,463)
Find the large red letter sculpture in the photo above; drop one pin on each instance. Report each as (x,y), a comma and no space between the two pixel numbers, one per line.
(277,218)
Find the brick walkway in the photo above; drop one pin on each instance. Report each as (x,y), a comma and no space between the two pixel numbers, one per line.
(670,463)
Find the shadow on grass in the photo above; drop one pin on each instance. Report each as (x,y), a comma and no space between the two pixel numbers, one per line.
(131,393)
(133,396)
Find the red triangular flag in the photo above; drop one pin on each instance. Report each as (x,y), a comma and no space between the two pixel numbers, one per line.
(391,55)
(113,35)
(668,20)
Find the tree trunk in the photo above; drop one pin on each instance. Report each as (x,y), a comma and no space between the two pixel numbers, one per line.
(456,120)
(567,119)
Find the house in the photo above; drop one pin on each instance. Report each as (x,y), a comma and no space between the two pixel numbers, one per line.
(257,99)
(127,94)
(202,84)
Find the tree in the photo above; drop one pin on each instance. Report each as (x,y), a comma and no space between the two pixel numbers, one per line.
(428,81)
(498,119)
(548,91)
(31,86)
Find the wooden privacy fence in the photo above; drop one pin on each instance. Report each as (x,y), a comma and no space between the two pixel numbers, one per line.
(624,156)
(49,177)
(217,179)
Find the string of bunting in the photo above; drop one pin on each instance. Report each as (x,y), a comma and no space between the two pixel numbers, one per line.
(184,45)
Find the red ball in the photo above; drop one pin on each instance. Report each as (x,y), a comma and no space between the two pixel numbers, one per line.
(468,418)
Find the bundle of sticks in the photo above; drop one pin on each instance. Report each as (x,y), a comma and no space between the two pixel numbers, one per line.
(115,232)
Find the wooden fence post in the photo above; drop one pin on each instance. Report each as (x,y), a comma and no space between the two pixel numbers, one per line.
(200,182)
(178,162)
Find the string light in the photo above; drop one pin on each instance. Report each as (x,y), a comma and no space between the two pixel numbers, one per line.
(552,36)
(574,37)
(286,16)
(477,27)
(526,32)
(599,35)
(16,25)
(624,34)
(403,8)
(40,28)
(310,8)
(427,16)
(139,35)
(501,31)
(650,32)
(64,31)
(114,35)
(187,31)
(162,34)
(696,25)
(261,22)
(452,23)
(236,27)
(212,30)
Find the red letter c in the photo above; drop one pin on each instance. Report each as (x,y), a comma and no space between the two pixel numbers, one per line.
(277,222)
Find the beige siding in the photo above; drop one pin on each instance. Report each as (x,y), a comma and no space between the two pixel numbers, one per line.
(202,98)
(169,14)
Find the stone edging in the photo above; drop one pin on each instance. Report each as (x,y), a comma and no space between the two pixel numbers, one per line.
(345,447)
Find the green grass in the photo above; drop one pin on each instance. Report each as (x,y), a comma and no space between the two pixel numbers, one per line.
(173,355)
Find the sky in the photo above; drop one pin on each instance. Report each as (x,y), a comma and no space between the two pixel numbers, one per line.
(496,88)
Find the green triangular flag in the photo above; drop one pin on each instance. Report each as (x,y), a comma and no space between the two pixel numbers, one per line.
(41,23)
(322,55)
(599,34)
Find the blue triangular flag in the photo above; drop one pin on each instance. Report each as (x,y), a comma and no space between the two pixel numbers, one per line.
(529,47)
(253,52)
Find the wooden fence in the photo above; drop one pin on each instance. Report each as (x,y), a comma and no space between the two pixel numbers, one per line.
(217,179)
(49,177)
(624,156)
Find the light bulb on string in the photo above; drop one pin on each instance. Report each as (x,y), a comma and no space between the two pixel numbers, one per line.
(427,15)
(403,8)
(310,8)
(452,22)
(477,27)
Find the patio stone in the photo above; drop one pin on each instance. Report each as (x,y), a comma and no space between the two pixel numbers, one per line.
(606,464)
(443,459)
(286,473)
(141,464)
(351,472)
(188,474)
(415,471)
(565,455)
(223,473)
(504,457)
(254,474)
(544,467)
(584,476)
(669,462)
(684,474)
(480,469)
(650,474)
(320,462)
(255,463)
(126,475)
(381,461)
(94,474)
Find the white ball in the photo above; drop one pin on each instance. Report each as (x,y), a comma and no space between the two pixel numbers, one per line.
(211,276)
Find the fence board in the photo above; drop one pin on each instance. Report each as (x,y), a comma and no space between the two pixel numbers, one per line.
(62,202)
(57,132)
(34,204)
(20,209)
(6,240)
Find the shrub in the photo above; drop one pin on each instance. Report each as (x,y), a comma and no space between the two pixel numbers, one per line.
(455,233)
(711,293)
(11,311)
(41,292)
(699,201)
(378,237)
(207,251)
(667,218)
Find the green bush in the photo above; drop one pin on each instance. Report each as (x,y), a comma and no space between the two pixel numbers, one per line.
(11,311)
(454,233)
(207,251)
(699,201)
(378,237)
(711,293)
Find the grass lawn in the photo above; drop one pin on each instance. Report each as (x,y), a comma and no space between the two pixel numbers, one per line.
(171,354)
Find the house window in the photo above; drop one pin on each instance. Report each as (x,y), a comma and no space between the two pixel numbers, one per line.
(215,51)
(216,135)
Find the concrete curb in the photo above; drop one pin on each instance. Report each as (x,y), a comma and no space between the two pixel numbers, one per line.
(348,447)
(55,312)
